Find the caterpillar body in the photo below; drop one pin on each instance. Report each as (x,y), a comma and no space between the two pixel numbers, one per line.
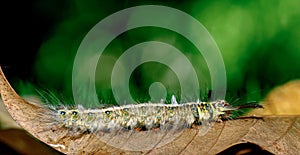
(68,129)
(145,116)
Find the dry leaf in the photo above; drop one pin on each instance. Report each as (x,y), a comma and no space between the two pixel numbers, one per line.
(283,100)
(279,135)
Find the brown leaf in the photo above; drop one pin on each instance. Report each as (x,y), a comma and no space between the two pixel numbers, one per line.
(279,135)
(283,100)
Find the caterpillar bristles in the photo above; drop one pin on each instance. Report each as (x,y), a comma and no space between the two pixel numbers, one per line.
(251,104)
(158,117)
(137,117)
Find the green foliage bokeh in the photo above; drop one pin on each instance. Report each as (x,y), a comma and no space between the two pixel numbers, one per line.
(259,41)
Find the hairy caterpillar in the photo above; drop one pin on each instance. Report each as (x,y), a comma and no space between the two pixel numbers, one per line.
(145,116)
(71,130)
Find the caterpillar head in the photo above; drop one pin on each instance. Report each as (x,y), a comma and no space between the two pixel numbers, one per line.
(223,107)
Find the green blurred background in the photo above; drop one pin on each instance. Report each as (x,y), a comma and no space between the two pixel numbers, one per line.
(259,41)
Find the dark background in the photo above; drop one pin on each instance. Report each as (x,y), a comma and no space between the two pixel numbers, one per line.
(25,27)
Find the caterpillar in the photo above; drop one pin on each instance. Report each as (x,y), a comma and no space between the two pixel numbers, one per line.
(74,129)
(140,117)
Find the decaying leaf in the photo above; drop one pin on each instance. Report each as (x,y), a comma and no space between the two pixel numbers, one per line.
(276,134)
